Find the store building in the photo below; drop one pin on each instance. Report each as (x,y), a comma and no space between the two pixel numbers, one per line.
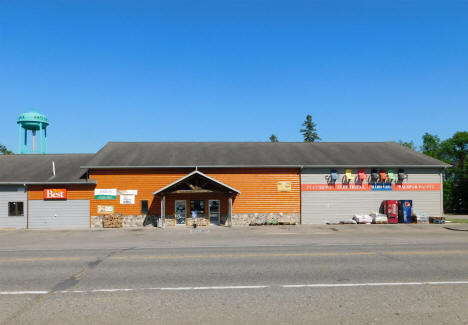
(218,183)
(44,191)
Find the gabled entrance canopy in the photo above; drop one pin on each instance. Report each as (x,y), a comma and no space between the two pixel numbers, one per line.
(197,182)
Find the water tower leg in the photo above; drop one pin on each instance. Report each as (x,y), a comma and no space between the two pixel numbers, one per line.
(45,139)
(41,139)
(25,147)
(34,138)
(19,138)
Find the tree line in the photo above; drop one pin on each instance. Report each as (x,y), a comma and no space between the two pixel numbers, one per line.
(453,151)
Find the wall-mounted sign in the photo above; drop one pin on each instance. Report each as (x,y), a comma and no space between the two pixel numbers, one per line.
(105,209)
(382,187)
(371,187)
(127,199)
(128,192)
(334,187)
(284,186)
(105,193)
(55,194)
(417,187)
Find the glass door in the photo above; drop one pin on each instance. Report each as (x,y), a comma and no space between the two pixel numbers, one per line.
(197,208)
(180,212)
(215,211)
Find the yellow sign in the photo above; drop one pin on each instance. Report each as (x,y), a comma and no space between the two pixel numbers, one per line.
(105,209)
(284,186)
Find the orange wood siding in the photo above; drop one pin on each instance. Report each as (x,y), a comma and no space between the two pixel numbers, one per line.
(74,192)
(258,189)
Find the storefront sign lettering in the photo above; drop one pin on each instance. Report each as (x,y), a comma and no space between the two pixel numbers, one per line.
(127,199)
(105,194)
(55,194)
(370,187)
(128,192)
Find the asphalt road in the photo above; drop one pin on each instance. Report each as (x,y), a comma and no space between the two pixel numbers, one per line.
(391,274)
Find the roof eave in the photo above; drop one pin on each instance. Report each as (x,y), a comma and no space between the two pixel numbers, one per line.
(190,174)
(267,166)
(92,182)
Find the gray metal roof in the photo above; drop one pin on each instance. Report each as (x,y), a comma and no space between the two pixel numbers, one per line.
(37,168)
(258,154)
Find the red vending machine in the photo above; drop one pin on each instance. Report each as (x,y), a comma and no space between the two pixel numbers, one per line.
(391,210)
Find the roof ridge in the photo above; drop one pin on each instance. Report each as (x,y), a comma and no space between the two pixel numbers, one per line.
(256,142)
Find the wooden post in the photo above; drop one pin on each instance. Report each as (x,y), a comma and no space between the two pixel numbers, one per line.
(230,212)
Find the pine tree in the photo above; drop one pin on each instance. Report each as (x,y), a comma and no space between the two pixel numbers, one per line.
(310,131)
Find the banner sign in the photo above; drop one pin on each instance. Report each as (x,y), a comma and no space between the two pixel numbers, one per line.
(417,187)
(55,194)
(105,209)
(128,192)
(127,199)
(382,187)
(334,187)
(105,194)
(371,187)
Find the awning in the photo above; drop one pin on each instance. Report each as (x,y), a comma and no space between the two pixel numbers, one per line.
(197,182)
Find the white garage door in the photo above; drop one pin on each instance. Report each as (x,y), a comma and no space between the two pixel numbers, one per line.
(59,214)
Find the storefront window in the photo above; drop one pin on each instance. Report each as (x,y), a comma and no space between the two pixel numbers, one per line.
(15,209)
(144,206)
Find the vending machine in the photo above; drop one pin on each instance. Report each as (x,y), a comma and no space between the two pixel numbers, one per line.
(391,210)
(405,211)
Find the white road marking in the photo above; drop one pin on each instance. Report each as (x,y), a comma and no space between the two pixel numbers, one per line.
(24,292)
(214,288)
(372,284)
(314,285)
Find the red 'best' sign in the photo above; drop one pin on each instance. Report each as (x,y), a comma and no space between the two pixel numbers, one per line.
(55,193)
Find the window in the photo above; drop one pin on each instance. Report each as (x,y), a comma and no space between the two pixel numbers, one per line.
(144,206)
(15,209)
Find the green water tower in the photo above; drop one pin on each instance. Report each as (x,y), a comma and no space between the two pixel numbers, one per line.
(34,122)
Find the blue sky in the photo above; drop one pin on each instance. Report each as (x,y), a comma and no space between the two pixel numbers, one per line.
(233,70)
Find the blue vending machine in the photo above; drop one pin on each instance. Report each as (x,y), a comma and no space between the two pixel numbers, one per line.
(405,211)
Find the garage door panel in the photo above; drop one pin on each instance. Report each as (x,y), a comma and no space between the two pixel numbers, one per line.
(59,214)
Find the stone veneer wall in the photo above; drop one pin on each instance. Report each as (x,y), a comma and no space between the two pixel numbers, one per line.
(127,221)
(238,219)
(241,219)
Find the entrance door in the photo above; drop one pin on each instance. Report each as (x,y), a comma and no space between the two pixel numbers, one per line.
(197,206)
(180,212)
(214,207)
